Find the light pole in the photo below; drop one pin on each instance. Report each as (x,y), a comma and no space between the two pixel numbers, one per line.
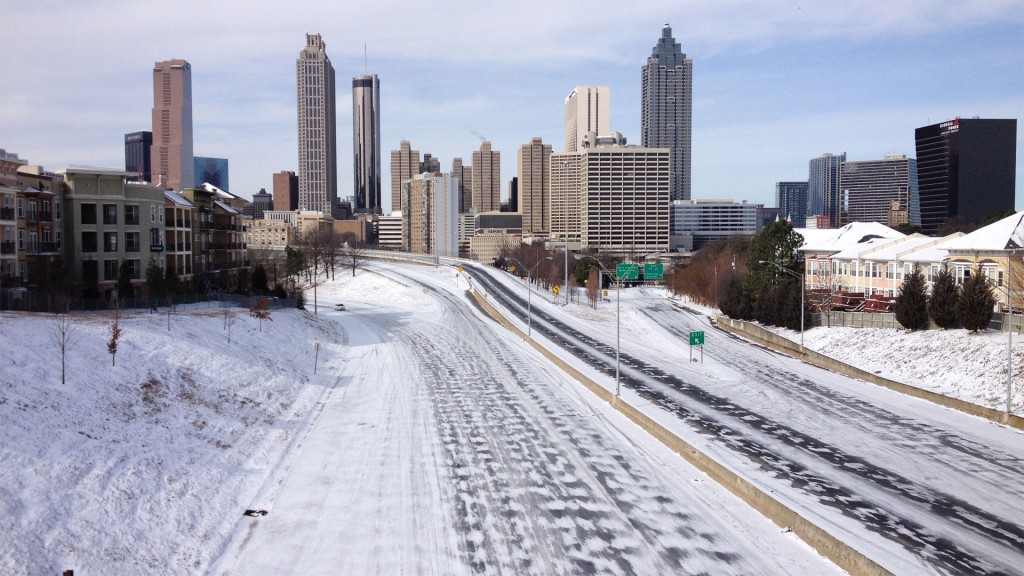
(618,315)
(529,293)
(800,278)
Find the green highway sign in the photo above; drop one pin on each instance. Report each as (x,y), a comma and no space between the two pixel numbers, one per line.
(696,338)
(654,272)
(627,271)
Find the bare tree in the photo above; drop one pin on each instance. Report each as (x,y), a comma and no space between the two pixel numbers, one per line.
(229,317)
(594,286)
(351,253)
(63,337)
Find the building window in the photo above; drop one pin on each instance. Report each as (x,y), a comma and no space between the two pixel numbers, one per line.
(110,213)
(88,213)
(131,242)
(88,241)
(131,215)
(110,241)
(21,207)
(57,210)
(21,239)
(152,214)
(110,269)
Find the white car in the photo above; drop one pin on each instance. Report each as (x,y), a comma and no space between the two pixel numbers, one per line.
(339,307)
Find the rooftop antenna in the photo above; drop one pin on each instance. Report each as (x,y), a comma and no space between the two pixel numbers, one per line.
(366,68)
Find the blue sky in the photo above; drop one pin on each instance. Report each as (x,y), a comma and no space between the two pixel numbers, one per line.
(775,83)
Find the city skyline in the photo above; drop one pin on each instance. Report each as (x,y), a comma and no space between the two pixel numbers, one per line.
(774,84)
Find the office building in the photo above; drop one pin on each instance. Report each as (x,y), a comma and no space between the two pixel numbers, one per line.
(138,159)
(405,163)
(318,154)
(286,191)
(486,182)
(587,109)
(262,201)
(533,186)
(463,176)
(430,164)
(366,144)
(824,197)
(966,170)
(611,197)
(513,196)
(212,171)
(791,199)
(667,108)
(697,222)
(171,150)
(430,222)
(869,188)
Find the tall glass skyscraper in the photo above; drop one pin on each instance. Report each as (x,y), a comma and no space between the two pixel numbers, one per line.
(366,143)
(667,108)
(824,198)
(318,142)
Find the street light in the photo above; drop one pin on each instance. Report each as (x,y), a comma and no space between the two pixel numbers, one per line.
(801,279)
(529,293)
(618,315)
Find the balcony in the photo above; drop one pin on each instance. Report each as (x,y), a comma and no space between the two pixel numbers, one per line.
(7,247)
(7,213)
(43,248)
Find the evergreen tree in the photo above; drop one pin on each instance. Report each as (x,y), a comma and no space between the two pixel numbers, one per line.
(943,302)
(259,279)
(155,281)
(974,309)
(912,302)
(124,283)
(777,243)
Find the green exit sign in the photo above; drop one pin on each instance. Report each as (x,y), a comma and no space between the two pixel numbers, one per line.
(696,338)
(627,271)
(654,272)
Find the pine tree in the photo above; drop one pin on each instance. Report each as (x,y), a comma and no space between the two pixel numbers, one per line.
(912,302)
(974,309)
(943,302)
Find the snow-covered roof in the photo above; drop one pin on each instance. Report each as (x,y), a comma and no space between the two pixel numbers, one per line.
(1005,234)
(839,239)
(218,192)
(908,247)
(177,198)
(225,207)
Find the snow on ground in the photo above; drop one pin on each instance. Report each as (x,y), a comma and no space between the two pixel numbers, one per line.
(146,467)
(140,467)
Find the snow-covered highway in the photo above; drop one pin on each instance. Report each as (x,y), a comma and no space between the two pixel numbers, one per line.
(915,486)
(450,447)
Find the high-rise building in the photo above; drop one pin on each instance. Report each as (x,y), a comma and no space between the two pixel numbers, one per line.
(286,191)
(405,163)
(486,179)
(318,142)
(587,109)
(138,157)
(211,171)
(366,143)
(791,199)
(869,188)
(262,201)
(823,192)
(533,186)
(667,108)
(697,222)
(966,170)
(172,124)
(612,197)
(513,198)
(430,164)
(463,176)
(430,221)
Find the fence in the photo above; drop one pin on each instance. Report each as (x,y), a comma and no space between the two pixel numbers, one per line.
(50,303)
(999,322)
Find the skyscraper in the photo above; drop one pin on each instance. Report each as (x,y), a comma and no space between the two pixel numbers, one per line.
(172,124)
(791,199)
(667,108)
(211,171)
(318,142)
(464,186)
(533,183)
(823,192)
(486,179)
(966,170)
(871,186)
(366,143)
(405,163)
(138,154)
(587,109)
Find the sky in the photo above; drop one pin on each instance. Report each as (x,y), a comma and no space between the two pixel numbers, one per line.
(775,82)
